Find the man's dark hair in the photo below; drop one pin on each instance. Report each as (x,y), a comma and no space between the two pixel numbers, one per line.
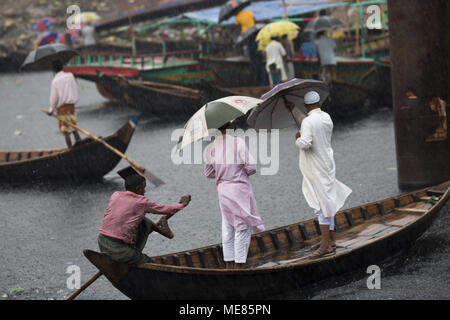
(226,126)
(57,66)
(133,182)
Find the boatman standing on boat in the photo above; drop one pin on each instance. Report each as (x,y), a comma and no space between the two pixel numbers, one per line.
(322,191)
(229,162)
(125,228)
(63,97)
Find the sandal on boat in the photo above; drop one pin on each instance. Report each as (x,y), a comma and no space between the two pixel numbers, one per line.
(320,253)
(162,227)
(317,246)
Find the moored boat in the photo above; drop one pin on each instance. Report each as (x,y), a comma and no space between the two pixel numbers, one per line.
(155,98)
(347,69)
(278,261)
(86,160)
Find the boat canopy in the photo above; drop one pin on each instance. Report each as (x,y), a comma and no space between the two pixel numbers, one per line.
(265,10)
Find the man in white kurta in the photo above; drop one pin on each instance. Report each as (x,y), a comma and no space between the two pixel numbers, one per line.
(275,54)
(322,191)
(229,162)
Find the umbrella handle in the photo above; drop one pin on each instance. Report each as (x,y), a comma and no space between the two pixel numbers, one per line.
(297,121)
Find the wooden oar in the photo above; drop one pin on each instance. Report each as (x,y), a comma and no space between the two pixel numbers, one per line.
(85,285)
(98,274)
(141,170)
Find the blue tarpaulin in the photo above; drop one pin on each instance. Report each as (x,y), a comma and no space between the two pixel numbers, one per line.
(264,10)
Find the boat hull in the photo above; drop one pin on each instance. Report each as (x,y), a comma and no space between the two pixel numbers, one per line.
(90,160)
(163,280)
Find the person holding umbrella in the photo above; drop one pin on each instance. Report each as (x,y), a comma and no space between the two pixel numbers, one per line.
(228,161)
(326,47)
(298,101)
(230,164)
(63,97)
(322,191)
(64,90)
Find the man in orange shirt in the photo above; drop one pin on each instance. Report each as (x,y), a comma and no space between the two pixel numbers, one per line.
(245,19)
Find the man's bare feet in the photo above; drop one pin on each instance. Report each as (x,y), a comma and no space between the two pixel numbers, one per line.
(162,227)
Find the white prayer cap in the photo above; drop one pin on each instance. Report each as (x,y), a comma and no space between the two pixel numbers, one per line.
(312,97)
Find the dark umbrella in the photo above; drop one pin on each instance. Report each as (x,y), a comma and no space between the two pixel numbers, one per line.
(246,36)
(323,23)
(231,8)
(43,56)
(272,113)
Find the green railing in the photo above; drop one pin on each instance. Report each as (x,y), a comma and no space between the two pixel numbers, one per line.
(155,60)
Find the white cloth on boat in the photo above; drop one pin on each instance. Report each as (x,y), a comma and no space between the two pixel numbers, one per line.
(323,220)
(320,187)
(235,244)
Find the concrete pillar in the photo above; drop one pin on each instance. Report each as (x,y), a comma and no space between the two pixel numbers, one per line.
(420,67)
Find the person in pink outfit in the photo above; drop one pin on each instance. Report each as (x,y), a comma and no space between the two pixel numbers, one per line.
(230,164)
(125,228)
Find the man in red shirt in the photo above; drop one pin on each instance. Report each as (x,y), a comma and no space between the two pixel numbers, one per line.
(125,228)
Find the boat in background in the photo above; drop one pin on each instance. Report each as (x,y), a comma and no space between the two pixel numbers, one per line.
(86,160)
(278,261)
(180,68)
(350,70)
(154,98)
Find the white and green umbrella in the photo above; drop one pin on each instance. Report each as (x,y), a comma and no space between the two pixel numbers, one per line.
(213,115)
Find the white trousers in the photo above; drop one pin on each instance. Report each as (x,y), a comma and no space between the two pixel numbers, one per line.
(323,220)
(235,244)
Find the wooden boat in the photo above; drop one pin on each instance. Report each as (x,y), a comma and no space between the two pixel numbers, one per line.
(347,69)
(87,160)
(159,99)
(229,72)
(277,261)
(346,99)
(172,67)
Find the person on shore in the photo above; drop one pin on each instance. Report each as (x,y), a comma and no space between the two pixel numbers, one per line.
(275,58)
(257,61)
(63,97)
(325,47)
(230,164)
(125,229)
(88,33)
(322,191)
(289,48)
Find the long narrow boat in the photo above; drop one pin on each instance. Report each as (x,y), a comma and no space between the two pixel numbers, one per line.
(347,69)
(171,67)
(159,99)
(87,160)
(278,261)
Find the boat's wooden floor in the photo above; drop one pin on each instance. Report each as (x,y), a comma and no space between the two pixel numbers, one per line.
(353,238)
(291,244)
